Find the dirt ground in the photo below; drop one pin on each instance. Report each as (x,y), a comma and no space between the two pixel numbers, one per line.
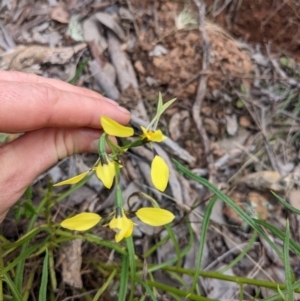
(272,22)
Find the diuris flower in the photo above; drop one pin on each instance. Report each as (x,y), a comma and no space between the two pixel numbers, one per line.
(153,136)
(105,171)
(120,224)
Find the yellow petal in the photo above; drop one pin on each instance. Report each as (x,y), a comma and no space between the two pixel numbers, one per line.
(154,136)
(159,173)
(121,225)
(155,216)
(82,221)
(73,180)
(157,136)
(106,173)
(113,128)
(129,230)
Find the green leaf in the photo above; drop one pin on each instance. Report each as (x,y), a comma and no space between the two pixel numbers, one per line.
(132,264)
(281,235)
(288,270)
(104,287)
(20,259)
(250,221)
(14,290)
(147,288)
(281,293)
(44,281)
(204,228)
(123,278)
(242,254)
(286,204)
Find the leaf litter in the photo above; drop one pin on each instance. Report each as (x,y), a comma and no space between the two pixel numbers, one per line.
(250,111)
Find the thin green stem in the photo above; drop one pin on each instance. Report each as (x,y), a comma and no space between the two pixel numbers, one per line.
(178,292)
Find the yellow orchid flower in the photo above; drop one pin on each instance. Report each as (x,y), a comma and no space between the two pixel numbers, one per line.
(159,173)
(153,136)
(113,128)
(120,224)
(105,172)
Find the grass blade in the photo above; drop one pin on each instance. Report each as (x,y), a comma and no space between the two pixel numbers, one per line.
(44,281)
(250,221)
(14,290)
(286,204)
(132,264)
(281,235)
(105,285)
(123,278)
(286,257)
(204,228)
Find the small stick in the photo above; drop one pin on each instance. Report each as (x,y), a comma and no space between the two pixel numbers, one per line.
(201,90)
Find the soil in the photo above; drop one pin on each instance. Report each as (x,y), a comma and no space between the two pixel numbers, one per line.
(273,22)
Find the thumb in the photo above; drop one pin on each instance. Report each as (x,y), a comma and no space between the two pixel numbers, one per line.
(25,158)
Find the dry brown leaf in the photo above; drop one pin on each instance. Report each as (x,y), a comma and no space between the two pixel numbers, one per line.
(111,22)
(105,78)
(139,67)
(265,180)
(93,31)
(294,198)
(26,57)
(71,263)
(60,15)
(245,122)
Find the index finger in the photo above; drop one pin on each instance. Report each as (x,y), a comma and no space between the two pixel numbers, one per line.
(15,76)
(28,106)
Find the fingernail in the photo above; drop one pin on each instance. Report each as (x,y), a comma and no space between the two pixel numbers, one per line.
(123,110)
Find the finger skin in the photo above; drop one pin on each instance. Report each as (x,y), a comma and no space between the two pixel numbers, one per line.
(33,153)
(58,120)
(15,76)
(27,106)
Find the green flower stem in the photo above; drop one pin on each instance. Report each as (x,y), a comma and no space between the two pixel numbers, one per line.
(119,197)
(101,145)
(52,270)
(178,292)
(236,279)
(215,275)
(135,143)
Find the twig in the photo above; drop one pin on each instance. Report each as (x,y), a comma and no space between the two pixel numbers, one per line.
(201,90)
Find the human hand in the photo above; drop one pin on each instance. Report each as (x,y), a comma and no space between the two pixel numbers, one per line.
(57,120)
